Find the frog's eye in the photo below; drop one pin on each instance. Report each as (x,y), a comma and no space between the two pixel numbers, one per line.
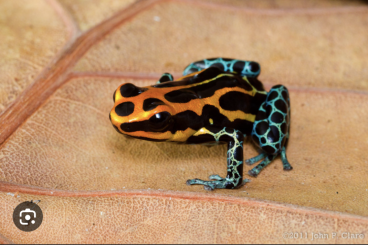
(160,121)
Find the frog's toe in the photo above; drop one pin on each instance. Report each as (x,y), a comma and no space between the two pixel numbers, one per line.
(216,183)
(215,177)
(288,168)
(243,183)
(207,185)
(249,162)
(191,181)
(208,188)
(285,163)
(253,173)
(246,181)
(255,159)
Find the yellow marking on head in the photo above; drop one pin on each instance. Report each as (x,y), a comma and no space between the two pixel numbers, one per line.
(182,136)
(202,131)
(211,121)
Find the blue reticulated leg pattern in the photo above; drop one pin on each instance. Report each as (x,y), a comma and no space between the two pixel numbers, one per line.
(271,129)
(242,67)
(166,77)
(234,139)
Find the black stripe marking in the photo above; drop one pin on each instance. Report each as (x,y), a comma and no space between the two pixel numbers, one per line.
(238,66)
(277,117)
(274,134)
(219,66)
(206,90)
(261,115)
(281,106)
(173,83)
(124,109)
(151,103)
(181,96)
(273,95)
(255,83)
(235,100)
(263,140)
(284,128)
(269,149)
(206,74)
(189,119)
(257,101)
(262,128)
(211,73)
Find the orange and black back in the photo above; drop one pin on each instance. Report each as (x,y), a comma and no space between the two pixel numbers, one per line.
(175,110)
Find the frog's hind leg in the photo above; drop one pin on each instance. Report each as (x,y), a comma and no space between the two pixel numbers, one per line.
(234,139)
(166,77)
(271,129)
(242,67)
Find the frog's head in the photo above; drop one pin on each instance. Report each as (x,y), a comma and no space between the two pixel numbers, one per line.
(142,113)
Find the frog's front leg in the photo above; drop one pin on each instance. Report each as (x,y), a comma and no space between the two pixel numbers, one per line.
(271,129)
(234,140)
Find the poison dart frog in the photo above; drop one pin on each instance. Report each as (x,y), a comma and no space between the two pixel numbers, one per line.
(216,101)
